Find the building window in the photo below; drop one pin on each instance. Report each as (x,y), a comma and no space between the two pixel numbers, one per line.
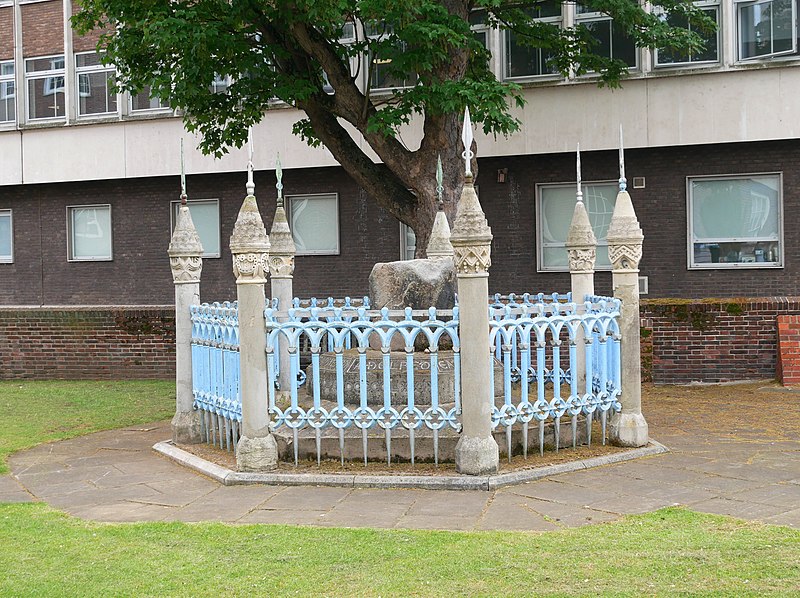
(6,237)
(554,209)
(221,83)
(45,85)
(145,101)
(382,74)
(523,60)
(611,39)
(205,216)
(89,233)
(766,28)
(314,220)
(735,221)
(480,28)
(710,52)
(96,93)
(8,95)
(408,242)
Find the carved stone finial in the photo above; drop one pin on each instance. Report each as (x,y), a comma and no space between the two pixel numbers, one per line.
(625,236)
(250,244)
(471,237)
(439,245)
(581,241)
(282,249)
(185,250)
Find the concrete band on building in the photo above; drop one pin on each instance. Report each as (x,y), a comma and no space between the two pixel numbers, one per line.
(88,192)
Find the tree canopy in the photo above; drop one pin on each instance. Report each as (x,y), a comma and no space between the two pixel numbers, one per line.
(373,64)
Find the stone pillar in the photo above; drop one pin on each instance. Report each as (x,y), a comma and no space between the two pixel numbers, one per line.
(257,449)
(476,451)
(582,252)
(628,428)
(281,268)
(185,259)
(439,246)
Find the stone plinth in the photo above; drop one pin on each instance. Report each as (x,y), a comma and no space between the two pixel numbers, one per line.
(399,385)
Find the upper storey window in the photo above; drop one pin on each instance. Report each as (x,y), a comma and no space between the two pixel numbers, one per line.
(766,28)
(96,93)
(611,39)
(44,78)
(8,94)
(522,60)
(710,52)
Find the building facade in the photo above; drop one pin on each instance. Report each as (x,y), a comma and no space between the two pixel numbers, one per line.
(89,178)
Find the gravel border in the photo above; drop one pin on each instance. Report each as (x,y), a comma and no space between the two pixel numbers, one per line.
(228,477)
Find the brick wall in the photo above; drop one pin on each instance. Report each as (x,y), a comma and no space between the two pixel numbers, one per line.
(88,41)
(42,28)
(789,349)
(87,343)
(7,33)
(712,340)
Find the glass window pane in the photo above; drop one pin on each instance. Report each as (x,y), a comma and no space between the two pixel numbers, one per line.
(90,59)
(557,206)
(51,63)
(622,47)
(46,97)
(90,232)
(766,28)
(314,222)
(735,209)
(96,94)
(143,101)
(8,109)
(524,61)
(6,69)
(205,216)
(5,235)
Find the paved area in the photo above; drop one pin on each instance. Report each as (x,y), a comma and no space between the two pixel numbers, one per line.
(752,472)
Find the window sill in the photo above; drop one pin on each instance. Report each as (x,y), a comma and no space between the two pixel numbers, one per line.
(89,260)
(737,266)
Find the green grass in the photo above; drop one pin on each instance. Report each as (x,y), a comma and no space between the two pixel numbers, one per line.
(36,412)
(673,551)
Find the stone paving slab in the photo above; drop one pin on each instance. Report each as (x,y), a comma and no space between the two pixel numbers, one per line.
(12,491)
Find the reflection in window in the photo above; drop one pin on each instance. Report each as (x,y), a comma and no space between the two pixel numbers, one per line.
(145,101)
(96,93)
(735,220)
(710,51)
(766,28)
(8,110)
(89,232)
(45,86)
(556,204)
(611,39)
(6,237)
(314,220)
(523,60)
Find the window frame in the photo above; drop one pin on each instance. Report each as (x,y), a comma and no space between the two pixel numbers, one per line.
(368,59)
(160,109)
(737,10)
(288,199)
(404,245)
(540,245)
(173,221)
(690,238)
(5,79)
(702,5)
(596,17)
(505,50)
(51,87)
(8,259)
(70,230)
(91,70)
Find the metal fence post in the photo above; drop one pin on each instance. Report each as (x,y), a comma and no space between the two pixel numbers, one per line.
(185,258)
(476,452)
(257,449)
(281,270)
(628,428)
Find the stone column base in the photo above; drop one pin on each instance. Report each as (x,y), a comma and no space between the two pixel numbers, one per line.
(186,427)
(477,456)
(629,429)
(257,454)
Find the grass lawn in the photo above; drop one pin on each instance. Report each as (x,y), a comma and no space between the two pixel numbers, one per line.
(673,551)
(44,552)
(36,412)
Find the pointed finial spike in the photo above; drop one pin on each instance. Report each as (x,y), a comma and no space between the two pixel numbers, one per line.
(251,186)
(579,194)
(466,138)
(279,178)
(439,180)
(623,182)
(183,177)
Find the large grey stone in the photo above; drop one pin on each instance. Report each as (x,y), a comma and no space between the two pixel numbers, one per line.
(418,284)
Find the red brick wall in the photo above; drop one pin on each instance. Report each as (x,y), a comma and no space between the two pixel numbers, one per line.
(88,41)
(42,29)
(713,340)
(87,343)
(789,349)
(7,33)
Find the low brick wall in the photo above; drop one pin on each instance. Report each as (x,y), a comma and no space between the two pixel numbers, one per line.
(712,340)
(709,340)
(94,342)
